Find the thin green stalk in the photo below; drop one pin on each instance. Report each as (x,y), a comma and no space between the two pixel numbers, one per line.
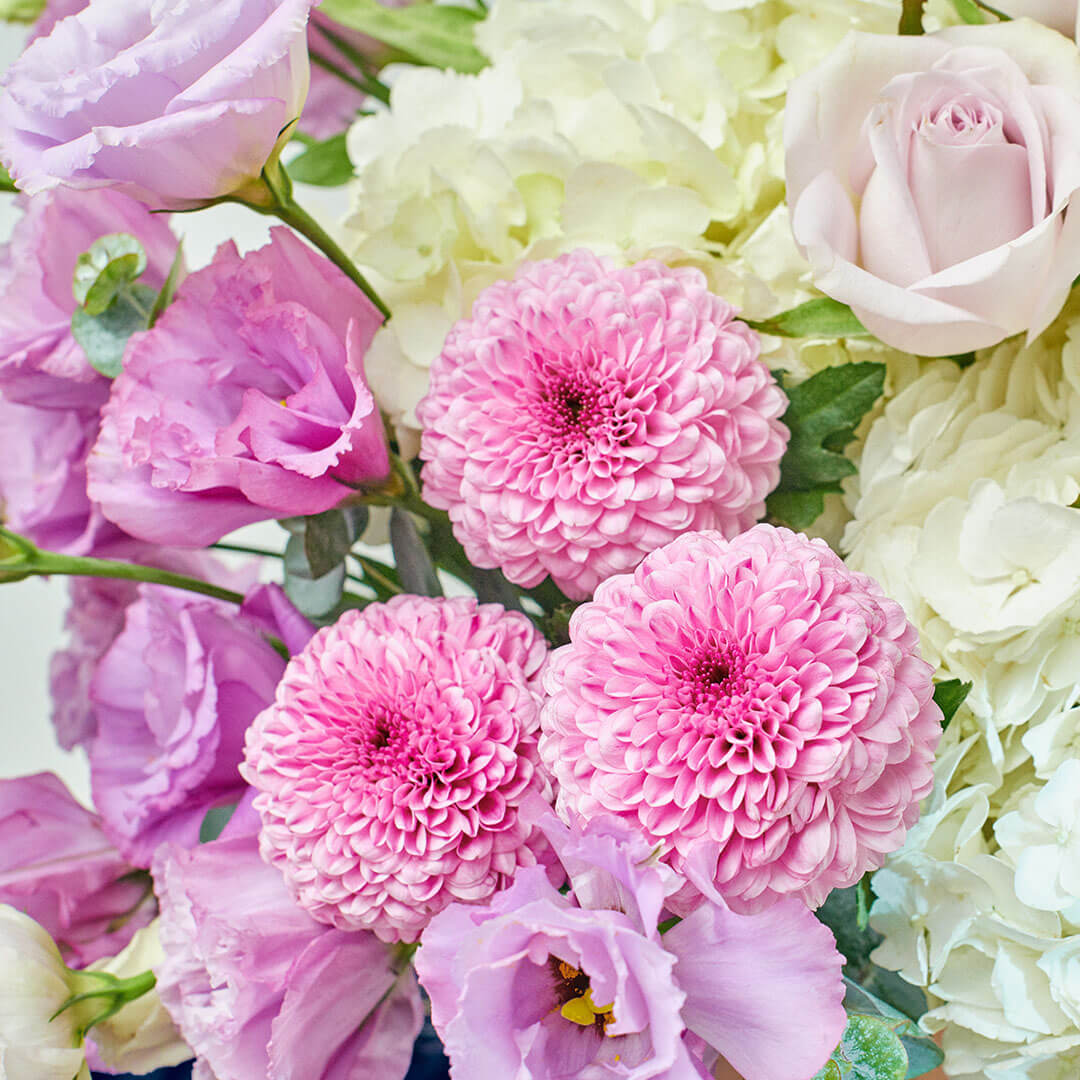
(375,575)
(364,82)
(244,549)
(24,559)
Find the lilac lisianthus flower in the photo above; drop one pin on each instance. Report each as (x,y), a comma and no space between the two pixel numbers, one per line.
(43,478)
(173,698)
(174,104)
(58,866)
(538,985)
(40,362)
(258,988)
(246,401)
(95,617)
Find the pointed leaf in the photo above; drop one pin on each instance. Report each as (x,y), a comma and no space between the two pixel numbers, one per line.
(314,595)
(168,290)
(22,11)
(414,565)
(327,540)
(820,318)
(969,11)
(325,164)
(950,695)
(217,817)
(435,35)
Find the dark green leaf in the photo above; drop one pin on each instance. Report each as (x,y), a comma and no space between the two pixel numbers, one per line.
(435,35)
(314,596)
(949,696)
(822,415)
(168,290)
(491,587)
(104,337)
(556,626)
(869,1050)
(968,11)
(799,509)
(327,540)
(325,163)
(216,819)
(911,17)
(113,263)
(414,565)
(6,183)
(823,318)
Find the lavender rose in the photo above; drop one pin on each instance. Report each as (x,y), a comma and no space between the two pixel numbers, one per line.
(246,401)
(174,104)
(930,179)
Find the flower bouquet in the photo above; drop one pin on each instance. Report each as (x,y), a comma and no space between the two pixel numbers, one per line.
(659,658)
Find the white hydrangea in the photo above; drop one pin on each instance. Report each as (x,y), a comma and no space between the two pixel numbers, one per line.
(963,509)
(637,128)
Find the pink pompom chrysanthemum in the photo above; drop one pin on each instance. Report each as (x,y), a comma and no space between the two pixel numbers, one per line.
(586,414)
(754,706)
(392,763)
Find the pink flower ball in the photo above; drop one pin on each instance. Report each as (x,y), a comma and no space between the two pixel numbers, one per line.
(392,763)
(585,415)
(753,703)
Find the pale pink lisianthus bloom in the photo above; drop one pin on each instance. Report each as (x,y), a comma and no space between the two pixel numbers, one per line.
(245,402)
(40,362)
(586,414)
(537,984)
(257,988)
(392,762)
(755,696)
(173,697)
(58,866)
(174,104)
(930,180)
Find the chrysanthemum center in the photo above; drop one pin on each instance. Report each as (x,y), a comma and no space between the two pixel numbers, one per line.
(572,406)
(574,996)
(383,739)
(712,675)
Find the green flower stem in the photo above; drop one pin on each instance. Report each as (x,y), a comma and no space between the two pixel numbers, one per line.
(272,194)
(24,559)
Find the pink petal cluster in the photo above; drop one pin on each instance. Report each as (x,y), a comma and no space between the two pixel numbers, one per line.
(752,695)
(57,865)
(246,401)
(259,989)
(392,763)
(173,698)
(585,415)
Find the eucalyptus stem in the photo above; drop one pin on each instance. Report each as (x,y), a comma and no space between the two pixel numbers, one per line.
(24,559)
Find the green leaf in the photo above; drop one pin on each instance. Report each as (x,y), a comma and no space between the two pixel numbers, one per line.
(6,183)
(823,318)
(327,540)
(217,817)
(414,565)
(911,17)
(168,290)
(104,337)
(22,11)
(869,1050)
(324,163)
(968,11)
(949,696)
(491,587)
(112,264)
(923,1053)
(315,595)
(434,35)
(822,415)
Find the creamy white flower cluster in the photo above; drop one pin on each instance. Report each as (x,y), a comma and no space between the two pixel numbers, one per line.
(637,128)
(963,509)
